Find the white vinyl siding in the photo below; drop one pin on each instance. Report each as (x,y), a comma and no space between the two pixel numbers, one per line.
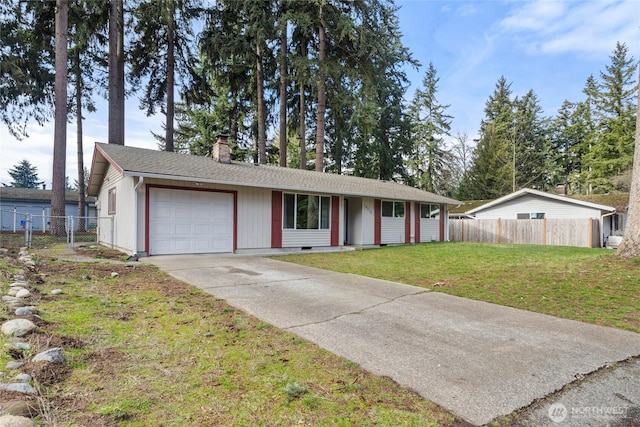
(531,203)
(254,218)
(305,238)
(123,223)
(392,230)
(429,230)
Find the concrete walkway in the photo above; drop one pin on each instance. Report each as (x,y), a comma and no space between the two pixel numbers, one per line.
(476,359)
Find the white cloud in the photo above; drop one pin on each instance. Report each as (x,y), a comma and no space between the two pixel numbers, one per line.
(467,9)
(589,28)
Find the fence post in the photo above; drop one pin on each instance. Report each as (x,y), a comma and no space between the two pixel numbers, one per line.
(112,231)
(71,234)
(15,217)
(462,233)
(590,233)
(27,231)
(44,220)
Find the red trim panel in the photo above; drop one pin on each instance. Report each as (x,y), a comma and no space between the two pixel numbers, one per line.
(335,220)
(276,219)
(377,221)
(417,213)
(175,187)
(407,222)
(443,211)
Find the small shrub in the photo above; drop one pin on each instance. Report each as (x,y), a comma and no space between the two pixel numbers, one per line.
(294,391)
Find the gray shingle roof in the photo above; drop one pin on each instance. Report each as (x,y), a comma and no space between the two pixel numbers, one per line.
(18,193)
(134,161)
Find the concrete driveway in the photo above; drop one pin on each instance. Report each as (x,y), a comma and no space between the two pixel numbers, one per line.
(476,359)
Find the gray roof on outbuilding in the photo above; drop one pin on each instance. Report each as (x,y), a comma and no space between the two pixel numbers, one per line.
(32,194)
(133,161)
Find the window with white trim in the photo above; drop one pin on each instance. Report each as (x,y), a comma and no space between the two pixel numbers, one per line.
(112,201)
(392,209)
(429,211)
(305,212)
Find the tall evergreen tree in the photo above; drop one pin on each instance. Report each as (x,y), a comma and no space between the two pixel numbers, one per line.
(60,125)
(24,175)
(429,160)
(532,162)
(492,172)
(159,51)
(116,89)
(612,151)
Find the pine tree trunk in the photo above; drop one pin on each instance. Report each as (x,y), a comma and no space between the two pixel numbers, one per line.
(303,123)
(82,225)
(60,127)
(630,245)
(170,76)
(262,145)
(116,72)
(303,131)
(321,96)
(283,97)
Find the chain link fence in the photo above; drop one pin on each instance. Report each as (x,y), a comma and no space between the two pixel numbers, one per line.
(41,231)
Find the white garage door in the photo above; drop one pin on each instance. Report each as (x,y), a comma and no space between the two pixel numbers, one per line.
(190,222)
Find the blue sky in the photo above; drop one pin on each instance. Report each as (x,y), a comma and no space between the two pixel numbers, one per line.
(548,46)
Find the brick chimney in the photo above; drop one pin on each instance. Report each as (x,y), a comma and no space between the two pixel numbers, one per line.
(221,151)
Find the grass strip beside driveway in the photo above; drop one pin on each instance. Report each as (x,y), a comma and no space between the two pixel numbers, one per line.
(149,350)
(590,285)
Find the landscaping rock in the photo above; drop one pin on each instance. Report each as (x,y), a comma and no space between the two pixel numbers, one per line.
(18,387)
(10,299)
(53,355)
(114,274)
(4,251)
(18,327)
(86,277)
(23,293)
(30,265)
(19,283)
(23,311)
(56,291)
(19,277)
(16,304)
(13,421)
(23,378)
(14,364)
(18,345)
(19,408)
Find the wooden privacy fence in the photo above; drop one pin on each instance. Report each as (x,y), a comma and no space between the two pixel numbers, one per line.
(554,232)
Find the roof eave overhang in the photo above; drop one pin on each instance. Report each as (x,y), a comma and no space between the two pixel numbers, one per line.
(259,185)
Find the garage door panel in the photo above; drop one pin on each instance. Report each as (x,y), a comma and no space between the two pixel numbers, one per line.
(185,221)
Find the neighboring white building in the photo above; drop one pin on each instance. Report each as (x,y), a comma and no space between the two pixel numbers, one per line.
(534,204)
(171,203)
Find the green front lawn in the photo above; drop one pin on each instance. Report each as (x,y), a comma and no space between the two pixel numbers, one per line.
(590,285)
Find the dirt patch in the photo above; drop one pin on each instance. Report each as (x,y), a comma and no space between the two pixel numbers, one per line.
(44,341)
(45,373)
(99,252)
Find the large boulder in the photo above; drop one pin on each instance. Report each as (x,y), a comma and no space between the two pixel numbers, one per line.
(18,327)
